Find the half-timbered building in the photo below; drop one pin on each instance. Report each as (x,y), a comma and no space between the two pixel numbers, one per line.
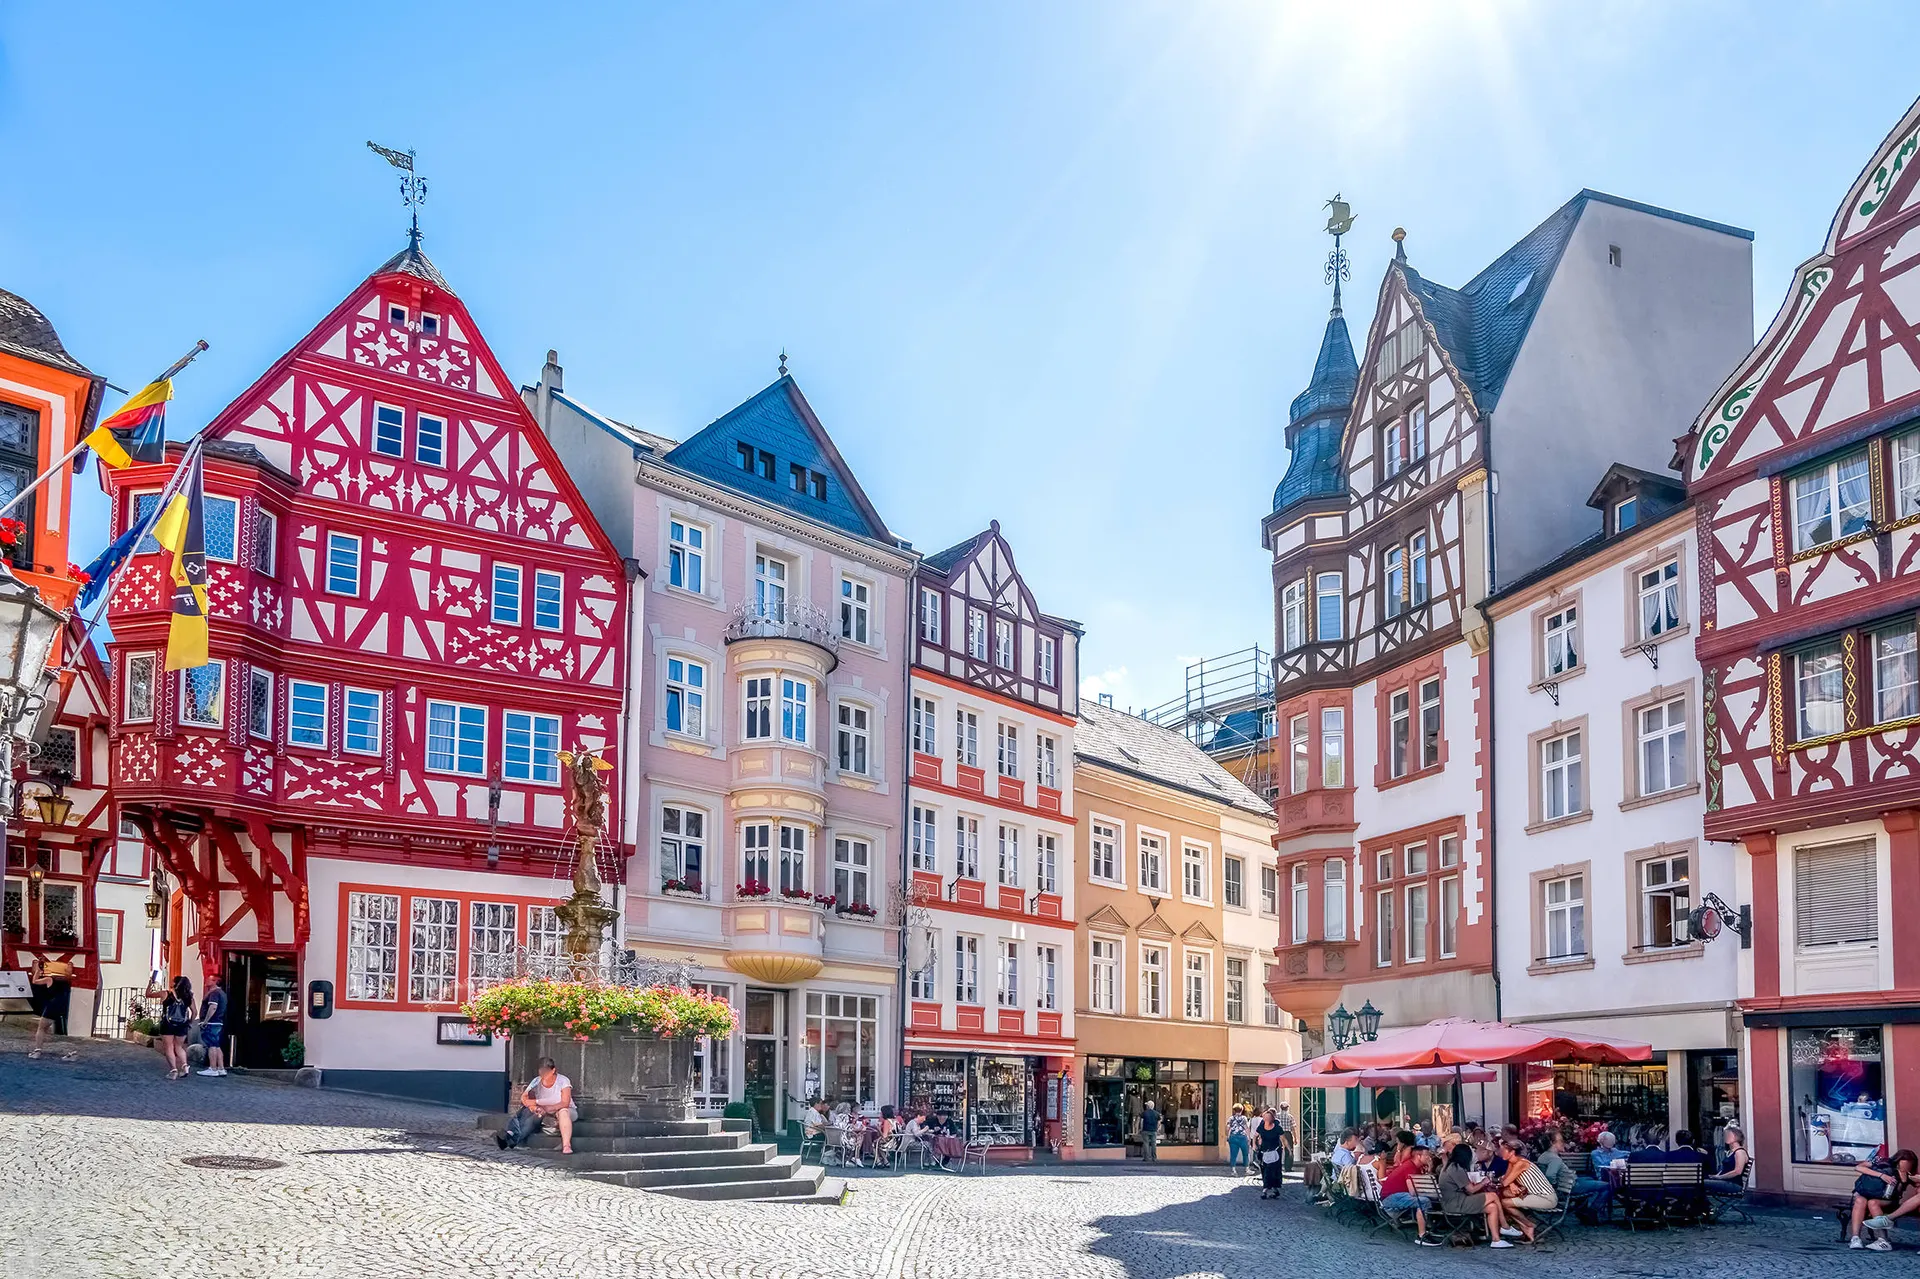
(1455,453)
(1805,474)
(357,801)
(767,765)
(991,989)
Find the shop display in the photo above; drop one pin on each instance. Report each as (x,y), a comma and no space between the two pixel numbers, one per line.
(1002,1102)
(938,1083)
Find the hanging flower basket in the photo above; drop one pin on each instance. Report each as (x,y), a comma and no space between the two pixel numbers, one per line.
(585,1009)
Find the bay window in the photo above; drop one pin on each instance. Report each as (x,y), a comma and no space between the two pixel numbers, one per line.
(1329,607)
(1293,615)
(1334,900)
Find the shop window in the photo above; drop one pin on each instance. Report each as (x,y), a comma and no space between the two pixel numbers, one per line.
(1118,1088)
(842,1048)
(1837,1084)
(373,947)
(712,1060)
(1003,1097)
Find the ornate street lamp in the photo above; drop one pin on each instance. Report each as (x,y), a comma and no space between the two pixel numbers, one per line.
(54,806)
(1369,1019)
(1340,1027)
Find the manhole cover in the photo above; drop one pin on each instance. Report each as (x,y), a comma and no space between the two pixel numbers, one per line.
(232,1163)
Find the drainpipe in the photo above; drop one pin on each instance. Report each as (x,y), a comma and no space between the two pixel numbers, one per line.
(632,671)
(909,611)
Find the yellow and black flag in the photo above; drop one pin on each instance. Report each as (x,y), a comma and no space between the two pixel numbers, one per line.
(182,530)
(137,432)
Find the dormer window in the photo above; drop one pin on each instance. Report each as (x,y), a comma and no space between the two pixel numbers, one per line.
(744,452)
(766,464)
(429,324)
(797,476)
(803,480)
(1626,514)
(397,316)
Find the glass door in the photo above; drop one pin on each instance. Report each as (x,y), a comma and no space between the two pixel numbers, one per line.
(764,1073)
(713,1061)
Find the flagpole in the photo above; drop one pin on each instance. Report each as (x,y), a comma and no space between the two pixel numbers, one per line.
(81,447)
(172,487)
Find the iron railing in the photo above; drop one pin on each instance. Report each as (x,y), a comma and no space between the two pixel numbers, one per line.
(784,620)
(111,1009)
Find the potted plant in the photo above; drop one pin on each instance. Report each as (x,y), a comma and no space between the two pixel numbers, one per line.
(687,886)
(825,901)
(860,909)
(796,894)
(752,888)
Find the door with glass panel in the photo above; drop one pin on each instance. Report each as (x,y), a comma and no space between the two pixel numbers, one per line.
(763,1075)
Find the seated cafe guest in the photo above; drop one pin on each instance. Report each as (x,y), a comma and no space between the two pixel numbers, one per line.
(1737,1168)
(1524,1189)
(1397,1193)
(1606,1149)
(1464,1194)
(1685,1152)
(815,1119)
(1553,1162)
(1881,1193)
(1347,1153)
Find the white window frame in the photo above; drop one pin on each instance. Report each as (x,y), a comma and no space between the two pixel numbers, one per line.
(1896,669)
(536,723)
(1432,726)
(458,738)
(547,582)
(1046,862)
(1383,928)
(1003,633)
(1153,980)
(966,969)
(1675,764)
(686,692)
(1449,929)
(1906,475)
(338,540)
(1006,984)
(852,871)
(1196,985)
(796,701)
(1658,587)
(1394,580)
(1329,588)
(1151,845)
(1299,903)
(1233,881)
(1007,871)
(1046,762)
(1195,883)
(1560,642)
(1269,890)
(1045,651)
(1293,615)
(1333,747)
(756,703)
(923,845)
(1571,908)
(1400,731)
(1104,955)
(399,423)
(1418,586)
(771,577)
(1824,483)
(1669,887)
(421,437)
(1046,970)
(296,690)
(1007,751)
(1563,764)
(966,846)
(926,726)
(1333,899)
(976,633)
(966,737)
(373,930)
(1104,863)
(856,610)
(351,697)
(924,983)
(141,669)
(853,739)
(1236,1010)
(1416,894)
(1299,761)
(686,555)
(433,949)
(1804,677)
(677,842)
(503,607)
(930,615)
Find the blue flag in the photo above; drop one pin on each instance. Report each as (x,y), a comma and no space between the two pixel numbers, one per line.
(110,559)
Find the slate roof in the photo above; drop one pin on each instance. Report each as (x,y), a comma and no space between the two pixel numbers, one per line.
(411,261)
(779,420)
(1317,419)
(959,553)
(1128,744)
(1483,324)
(634,435)
(25,332)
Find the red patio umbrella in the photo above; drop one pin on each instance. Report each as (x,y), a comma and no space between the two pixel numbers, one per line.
(1458,1041)
(1313,1073)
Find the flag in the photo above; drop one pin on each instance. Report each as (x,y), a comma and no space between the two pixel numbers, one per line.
(182,531)
(137,431)
(109,560)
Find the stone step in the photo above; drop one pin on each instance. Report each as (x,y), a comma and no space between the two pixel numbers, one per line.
(642,1145)
(616,1127)
(774,1173)
(805,1182)
(609,1161)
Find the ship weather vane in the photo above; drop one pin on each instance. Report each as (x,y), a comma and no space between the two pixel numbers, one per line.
(1339,222)
(413,187)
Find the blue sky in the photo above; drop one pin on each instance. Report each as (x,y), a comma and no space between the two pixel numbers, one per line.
(1052,263)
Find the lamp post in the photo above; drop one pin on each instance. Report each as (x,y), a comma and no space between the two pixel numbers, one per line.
(28,628)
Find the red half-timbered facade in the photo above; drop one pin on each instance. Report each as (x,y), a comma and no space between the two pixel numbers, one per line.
(357,802)
(1805,472)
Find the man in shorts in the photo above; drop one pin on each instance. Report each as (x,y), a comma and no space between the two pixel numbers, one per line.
(547,1104)
(213,1029)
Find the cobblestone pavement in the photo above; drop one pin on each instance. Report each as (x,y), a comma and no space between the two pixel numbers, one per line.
(92,1184)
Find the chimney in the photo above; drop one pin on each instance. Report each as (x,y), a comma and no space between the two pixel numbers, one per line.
(1106,699)
(551,374)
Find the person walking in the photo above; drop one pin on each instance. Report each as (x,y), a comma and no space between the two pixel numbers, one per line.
(51,995)
(176,1014)
(1267,1138)
(1284,1118)
(1237,1129)
(213,1028)
(1150,1134)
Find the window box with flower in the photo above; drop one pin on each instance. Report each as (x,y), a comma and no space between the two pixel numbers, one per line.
(796,895)
(858,909)
(690,886)
(752,888)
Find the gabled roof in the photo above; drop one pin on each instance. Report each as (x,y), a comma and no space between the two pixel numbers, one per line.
(25,332)
(1128,744)
(1483,324)
(635,436)
(780,421)
(959,553)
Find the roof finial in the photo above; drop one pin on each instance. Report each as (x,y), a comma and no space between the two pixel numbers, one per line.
(413,187)
(1399,244)
(783,361)
(1339,222)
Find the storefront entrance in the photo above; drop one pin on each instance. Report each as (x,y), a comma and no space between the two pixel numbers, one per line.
(994,1099)
(1118,1088)
(263,1008)
(765,1071)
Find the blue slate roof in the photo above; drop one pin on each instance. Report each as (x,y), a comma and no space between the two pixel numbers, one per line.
(780,421)
(1483,324)
(1317,419)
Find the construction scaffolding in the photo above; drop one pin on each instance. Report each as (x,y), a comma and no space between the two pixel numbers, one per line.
(1227,711)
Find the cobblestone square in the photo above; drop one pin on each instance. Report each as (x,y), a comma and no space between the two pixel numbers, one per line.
(370,1188)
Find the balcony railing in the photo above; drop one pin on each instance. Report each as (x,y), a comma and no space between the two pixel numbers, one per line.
(801,622)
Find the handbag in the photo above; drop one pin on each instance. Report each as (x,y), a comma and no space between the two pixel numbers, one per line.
(1269,1156)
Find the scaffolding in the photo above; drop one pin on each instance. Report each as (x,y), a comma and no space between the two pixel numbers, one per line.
(1227,711)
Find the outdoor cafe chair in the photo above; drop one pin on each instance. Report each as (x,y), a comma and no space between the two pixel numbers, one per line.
(975,1151)
(1642,1195)
(835,1143)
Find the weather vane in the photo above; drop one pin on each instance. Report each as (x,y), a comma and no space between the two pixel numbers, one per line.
(1339,222)
(413,187)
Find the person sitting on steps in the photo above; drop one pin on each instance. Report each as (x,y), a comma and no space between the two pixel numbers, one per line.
(545,1103)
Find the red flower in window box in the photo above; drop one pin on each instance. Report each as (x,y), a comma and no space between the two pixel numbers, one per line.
(78,574)
(11,531)
(861,909)
(796,894)
(691,884)
(827,900)
(752,888)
